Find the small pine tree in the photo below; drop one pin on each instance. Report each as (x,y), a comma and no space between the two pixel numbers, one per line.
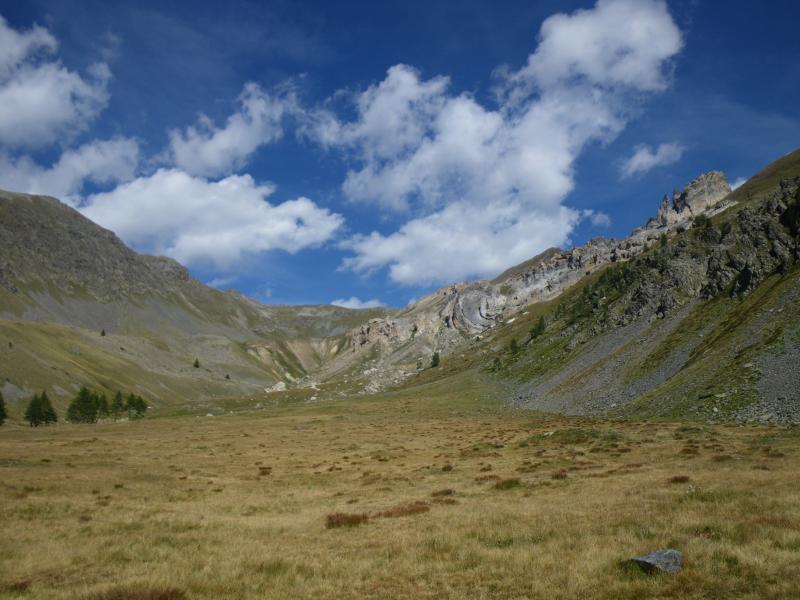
(538,329)
(33,414)
(102,405)
(136,406)
(117,406)
(3,414)
(103,333)
(83,408)
(196,363)
(662,241)
(48,412)
(514,346)
(435,359)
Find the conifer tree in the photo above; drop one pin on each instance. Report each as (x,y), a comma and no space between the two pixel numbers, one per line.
(3,414)
(136,406)
(48,412)
(102,405)
(538,329)
(435,359)
(196,363)
(33,414)
(117,406)
(83,408)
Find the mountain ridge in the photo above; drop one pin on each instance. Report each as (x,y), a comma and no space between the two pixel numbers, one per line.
(79,307)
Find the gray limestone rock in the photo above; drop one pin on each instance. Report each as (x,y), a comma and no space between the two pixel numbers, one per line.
(660,561)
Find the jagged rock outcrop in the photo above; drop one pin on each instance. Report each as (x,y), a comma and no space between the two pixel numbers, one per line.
(698,197)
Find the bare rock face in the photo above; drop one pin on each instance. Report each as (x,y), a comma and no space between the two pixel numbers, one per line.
(448,318)
(701,195)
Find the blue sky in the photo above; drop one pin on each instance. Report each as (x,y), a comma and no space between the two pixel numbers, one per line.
(308,152)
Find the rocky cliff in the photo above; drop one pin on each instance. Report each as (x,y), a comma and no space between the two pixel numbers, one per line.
(401,344)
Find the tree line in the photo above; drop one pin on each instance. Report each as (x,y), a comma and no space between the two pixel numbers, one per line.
(88,406)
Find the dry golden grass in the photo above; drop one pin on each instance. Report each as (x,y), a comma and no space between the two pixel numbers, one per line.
(237,506)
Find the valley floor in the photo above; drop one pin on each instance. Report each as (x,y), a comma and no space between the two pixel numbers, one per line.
(464,498)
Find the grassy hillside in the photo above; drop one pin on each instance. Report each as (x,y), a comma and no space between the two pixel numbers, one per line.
(77,307)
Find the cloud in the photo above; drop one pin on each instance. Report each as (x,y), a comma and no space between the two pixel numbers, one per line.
(211,151)
(460,241)
(739,182)
(110,161)
(354,302)
(195,220)
(616,44)
(485,186)
(40,100)
(221,282)
(597,218)
(644,158)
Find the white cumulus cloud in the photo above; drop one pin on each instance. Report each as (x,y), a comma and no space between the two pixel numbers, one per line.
(354,302)
(596,218)
(644,158)
(195,220)
(211,151)
(41,101)
(485,185)
(102,161)
(618,43)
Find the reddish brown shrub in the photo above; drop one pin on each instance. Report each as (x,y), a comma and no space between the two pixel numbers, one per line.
(345,520)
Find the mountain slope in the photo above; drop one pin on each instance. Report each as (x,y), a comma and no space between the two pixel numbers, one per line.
(703,324)
(64,282)
(696,315)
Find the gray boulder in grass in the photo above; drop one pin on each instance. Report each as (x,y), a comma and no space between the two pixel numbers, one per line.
(660,561)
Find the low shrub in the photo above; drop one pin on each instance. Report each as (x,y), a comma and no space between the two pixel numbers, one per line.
(507,484)
(345,520)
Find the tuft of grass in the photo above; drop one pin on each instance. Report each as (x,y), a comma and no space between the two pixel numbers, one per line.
(679,479)
(16,587)
(407,509)
(507,484)
(341,519)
